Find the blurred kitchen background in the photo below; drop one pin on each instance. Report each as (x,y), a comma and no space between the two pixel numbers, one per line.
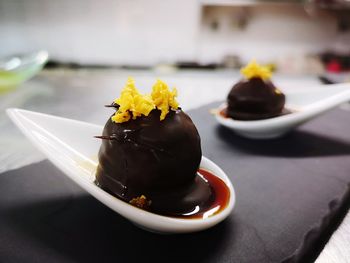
(196,45)
(305,36)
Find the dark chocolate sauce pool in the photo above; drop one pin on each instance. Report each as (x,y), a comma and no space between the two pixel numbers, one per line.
(220,197)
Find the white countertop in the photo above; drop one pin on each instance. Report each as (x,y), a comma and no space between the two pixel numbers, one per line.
(81,94)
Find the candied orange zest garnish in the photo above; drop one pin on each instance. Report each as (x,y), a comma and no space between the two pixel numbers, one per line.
(132,104)
(141,202)
(254,70)
(163,98)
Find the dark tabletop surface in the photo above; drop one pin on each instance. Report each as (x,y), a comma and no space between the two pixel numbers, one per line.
(291,194)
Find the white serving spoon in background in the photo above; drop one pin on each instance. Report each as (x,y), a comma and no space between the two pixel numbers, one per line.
(70,145)
(305,105)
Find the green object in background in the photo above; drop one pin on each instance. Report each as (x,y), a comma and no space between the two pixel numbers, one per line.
(16,70)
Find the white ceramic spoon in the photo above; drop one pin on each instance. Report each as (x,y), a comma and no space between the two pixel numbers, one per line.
(305,106)
(70,145)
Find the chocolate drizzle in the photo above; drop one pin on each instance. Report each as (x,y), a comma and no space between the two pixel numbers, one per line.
(157,159)
(112,105)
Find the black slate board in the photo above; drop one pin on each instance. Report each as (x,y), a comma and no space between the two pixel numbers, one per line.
(291,194)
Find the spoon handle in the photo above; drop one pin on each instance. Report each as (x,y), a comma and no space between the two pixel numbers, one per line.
(326,104)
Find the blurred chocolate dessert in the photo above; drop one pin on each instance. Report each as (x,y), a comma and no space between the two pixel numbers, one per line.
(255,97)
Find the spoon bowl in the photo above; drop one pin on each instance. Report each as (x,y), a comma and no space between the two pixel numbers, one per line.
(304,106)
(70,145)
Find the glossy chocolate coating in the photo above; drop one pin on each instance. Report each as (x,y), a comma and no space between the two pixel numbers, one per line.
(254,99)
(158,159)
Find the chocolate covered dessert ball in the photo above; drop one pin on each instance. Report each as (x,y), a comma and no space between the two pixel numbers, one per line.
(255,97)
(151,152)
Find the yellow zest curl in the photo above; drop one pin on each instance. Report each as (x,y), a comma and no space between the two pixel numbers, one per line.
(132,103)
(141,202)
(163,98)
(254,70)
